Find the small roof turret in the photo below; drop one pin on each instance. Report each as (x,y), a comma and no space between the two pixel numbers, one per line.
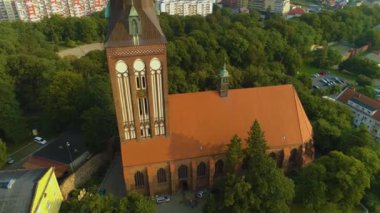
(224,72)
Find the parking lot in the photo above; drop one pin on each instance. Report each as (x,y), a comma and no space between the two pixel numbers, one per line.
(324,80)
(180,203)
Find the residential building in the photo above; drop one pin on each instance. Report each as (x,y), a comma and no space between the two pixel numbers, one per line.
(173,142)
(186,7)
(35,10)
(274,6)
(365,110)
(29,191)
(8,10)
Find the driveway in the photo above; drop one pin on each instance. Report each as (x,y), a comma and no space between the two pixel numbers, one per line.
(180,204)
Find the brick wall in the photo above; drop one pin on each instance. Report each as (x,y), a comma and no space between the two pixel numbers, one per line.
(83,173)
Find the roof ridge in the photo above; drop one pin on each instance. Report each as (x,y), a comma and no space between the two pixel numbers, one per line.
(297,112)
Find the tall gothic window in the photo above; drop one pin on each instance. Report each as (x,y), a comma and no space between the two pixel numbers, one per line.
(201,170)
(219,168)
(157,96)
(161,175)
(182,172)
(139,180)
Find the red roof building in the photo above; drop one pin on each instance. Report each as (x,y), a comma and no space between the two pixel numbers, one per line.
(169,142)
(365,110)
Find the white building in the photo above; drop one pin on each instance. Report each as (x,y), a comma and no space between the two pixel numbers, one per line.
(8,10)
(274,6)
(35,10)
(365,110)
(186,7)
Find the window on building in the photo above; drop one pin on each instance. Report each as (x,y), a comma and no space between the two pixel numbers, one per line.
(161,176)
(182,172)
(219,168)
(201,170)
(139,180)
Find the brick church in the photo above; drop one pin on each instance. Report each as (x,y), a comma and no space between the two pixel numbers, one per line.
(173,142)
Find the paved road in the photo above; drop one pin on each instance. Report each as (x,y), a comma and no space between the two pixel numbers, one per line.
(22,154)
(81,50)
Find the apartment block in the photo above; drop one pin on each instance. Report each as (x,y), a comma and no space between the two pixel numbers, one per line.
(273,6)
(35,10)
(185,7)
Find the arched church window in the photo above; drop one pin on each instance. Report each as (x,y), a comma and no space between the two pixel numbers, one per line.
(161,175)
(219,168)
(182,172)
(201,170)
(157,97)
(139,180)
(139,68)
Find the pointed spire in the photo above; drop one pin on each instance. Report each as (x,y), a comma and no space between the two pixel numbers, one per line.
(133,11)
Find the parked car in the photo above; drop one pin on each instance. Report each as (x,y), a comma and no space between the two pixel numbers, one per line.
(10,161)
(40,140)
(201,194)
(162,199)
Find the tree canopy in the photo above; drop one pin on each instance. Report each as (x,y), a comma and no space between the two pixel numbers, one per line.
(262,187)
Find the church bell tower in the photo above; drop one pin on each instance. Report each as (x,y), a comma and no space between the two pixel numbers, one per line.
(136,55)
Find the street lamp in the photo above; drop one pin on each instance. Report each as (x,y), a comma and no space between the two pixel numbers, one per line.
(71,159)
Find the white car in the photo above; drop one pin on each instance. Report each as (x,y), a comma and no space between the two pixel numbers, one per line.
(162,199)
(40,140)
(10,161)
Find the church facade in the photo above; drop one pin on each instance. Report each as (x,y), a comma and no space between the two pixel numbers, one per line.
(173,142)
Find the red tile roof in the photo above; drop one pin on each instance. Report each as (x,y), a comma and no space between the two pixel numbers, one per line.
(203,123)
(39,162)
(296,11)
(350,93)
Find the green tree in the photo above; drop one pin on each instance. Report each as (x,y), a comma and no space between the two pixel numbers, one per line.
(271,190)
(92,201)
(326,57)
(346,179)
(60,98)
(362,66)
(136,203)
(343,183)
(3,153)
(98,126)
(311,188)
(262,188)
(12,122)
(368,157)
(234,155)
